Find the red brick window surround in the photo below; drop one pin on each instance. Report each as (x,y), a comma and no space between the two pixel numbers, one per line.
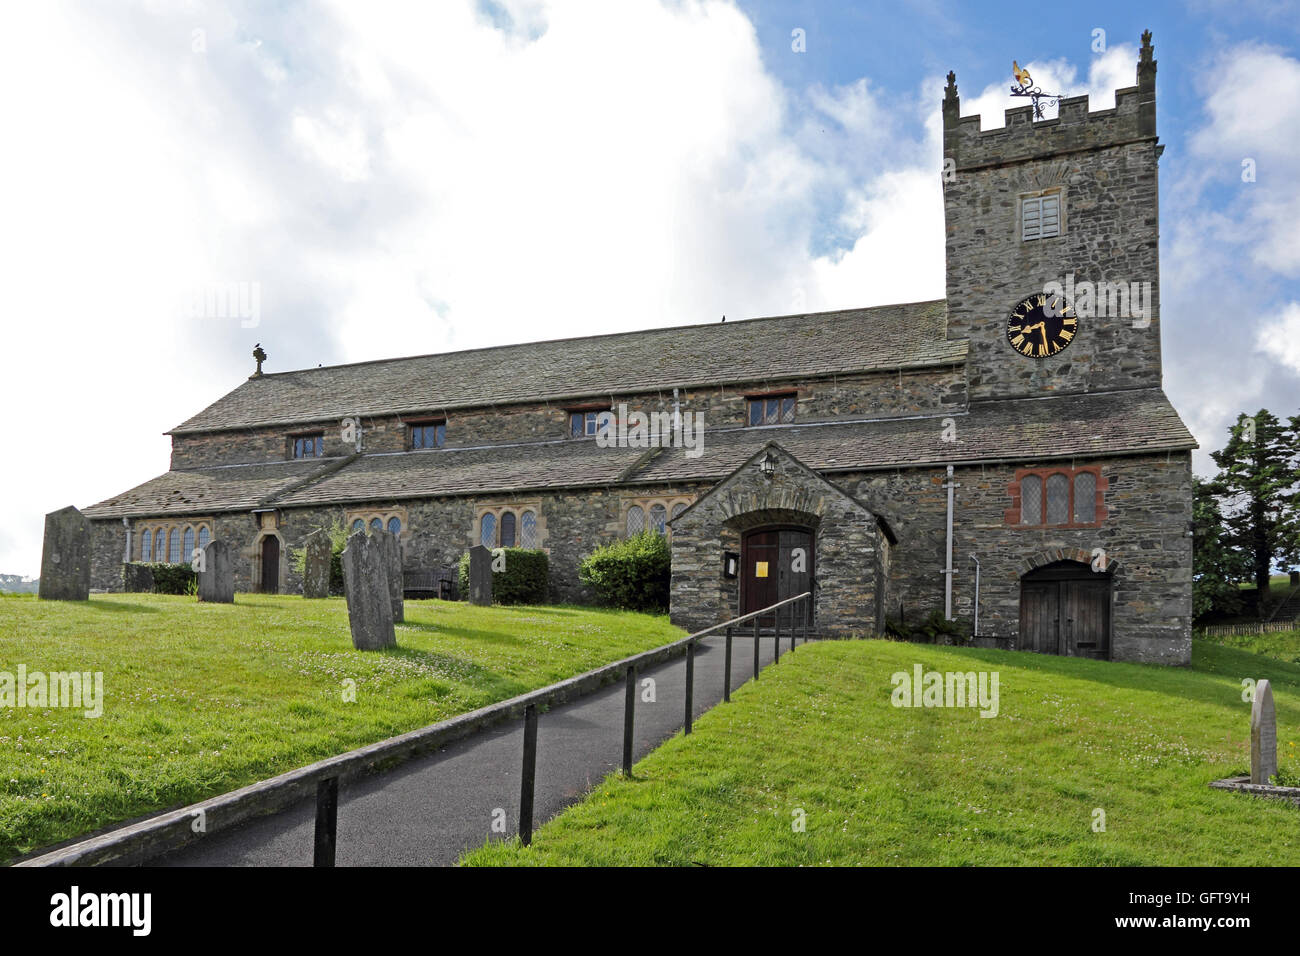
(1057,497)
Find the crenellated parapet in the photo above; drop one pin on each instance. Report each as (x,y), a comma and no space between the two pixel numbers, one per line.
(1075,128)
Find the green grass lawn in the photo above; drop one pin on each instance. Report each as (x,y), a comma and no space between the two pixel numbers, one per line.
(1282,645)
(200,699)
(884,785)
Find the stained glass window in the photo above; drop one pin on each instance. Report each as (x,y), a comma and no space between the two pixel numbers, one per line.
(204,536)
(528,530)
(658,519)
(358,525)
(508,530)
(146,545)
(174,546)
(395,525)
(189,544)
(487,534)
(376,524)
(308,446)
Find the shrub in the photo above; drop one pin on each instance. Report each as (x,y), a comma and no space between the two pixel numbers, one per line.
(633,573)
(933,629)
(524,579)
(166,578)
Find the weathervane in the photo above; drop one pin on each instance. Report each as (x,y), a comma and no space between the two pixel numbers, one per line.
(1027,88)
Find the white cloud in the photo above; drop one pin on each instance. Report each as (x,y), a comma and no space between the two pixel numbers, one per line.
(1229,245)
(402,179)
(1279,338)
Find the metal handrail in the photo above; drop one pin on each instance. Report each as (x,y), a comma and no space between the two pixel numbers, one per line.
(747,617)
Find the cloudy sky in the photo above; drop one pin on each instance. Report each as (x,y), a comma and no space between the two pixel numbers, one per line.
(383,179)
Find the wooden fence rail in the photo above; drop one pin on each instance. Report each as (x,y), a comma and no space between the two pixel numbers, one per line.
(1258,627)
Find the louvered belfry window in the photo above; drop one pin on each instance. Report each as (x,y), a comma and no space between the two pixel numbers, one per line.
(1040,217)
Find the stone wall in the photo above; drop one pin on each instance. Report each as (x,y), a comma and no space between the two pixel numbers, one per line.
(1148,503)
(872,394)
(1148,510)
(847,545)
(1105,166)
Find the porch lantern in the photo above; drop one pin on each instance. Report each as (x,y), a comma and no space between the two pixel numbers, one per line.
(768,465)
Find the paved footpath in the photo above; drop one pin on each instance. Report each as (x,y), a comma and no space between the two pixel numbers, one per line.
(427,811)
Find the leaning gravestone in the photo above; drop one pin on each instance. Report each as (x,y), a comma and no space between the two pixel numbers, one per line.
(316,572)
(1263,735)
(365,582)
(480,575)
(392,549)
(65,561)
(217,579)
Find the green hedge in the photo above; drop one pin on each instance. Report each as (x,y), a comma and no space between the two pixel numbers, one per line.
(524,580)
(633,573)
(170,578)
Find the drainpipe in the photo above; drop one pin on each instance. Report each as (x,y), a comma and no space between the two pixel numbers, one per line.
(977,595)
(948,570)
(126,555)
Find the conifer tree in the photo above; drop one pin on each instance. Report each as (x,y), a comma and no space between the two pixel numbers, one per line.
(1256,488)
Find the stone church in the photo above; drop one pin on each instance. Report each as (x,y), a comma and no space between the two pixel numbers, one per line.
(1005,455)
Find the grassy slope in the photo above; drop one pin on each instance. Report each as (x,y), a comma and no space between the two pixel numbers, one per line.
(885,785)
(1282,645)
(202,699)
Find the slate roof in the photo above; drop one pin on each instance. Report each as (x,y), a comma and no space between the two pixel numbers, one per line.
(1089,425)
(910,335)
(209,490)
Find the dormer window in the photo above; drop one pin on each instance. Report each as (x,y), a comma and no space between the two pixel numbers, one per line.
(309,446)
(431,434)
(771,409)
(1040,216)
(584,422)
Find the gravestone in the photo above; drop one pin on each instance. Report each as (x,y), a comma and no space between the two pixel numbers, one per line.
(365,583)
(480,575)
(217,579)
(392,549)
(137,578)
(1263,735)
(65,560)
(316,570)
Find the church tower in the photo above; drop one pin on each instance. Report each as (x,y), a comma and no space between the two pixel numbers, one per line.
(1063,208)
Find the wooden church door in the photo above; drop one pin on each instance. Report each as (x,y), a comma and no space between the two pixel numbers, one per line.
(1065,609)
(770,571)
(270,564)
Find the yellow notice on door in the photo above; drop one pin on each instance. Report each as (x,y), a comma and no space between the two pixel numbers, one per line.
(760,569)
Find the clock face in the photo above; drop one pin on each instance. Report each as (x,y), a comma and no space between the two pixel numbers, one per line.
(1041,325)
